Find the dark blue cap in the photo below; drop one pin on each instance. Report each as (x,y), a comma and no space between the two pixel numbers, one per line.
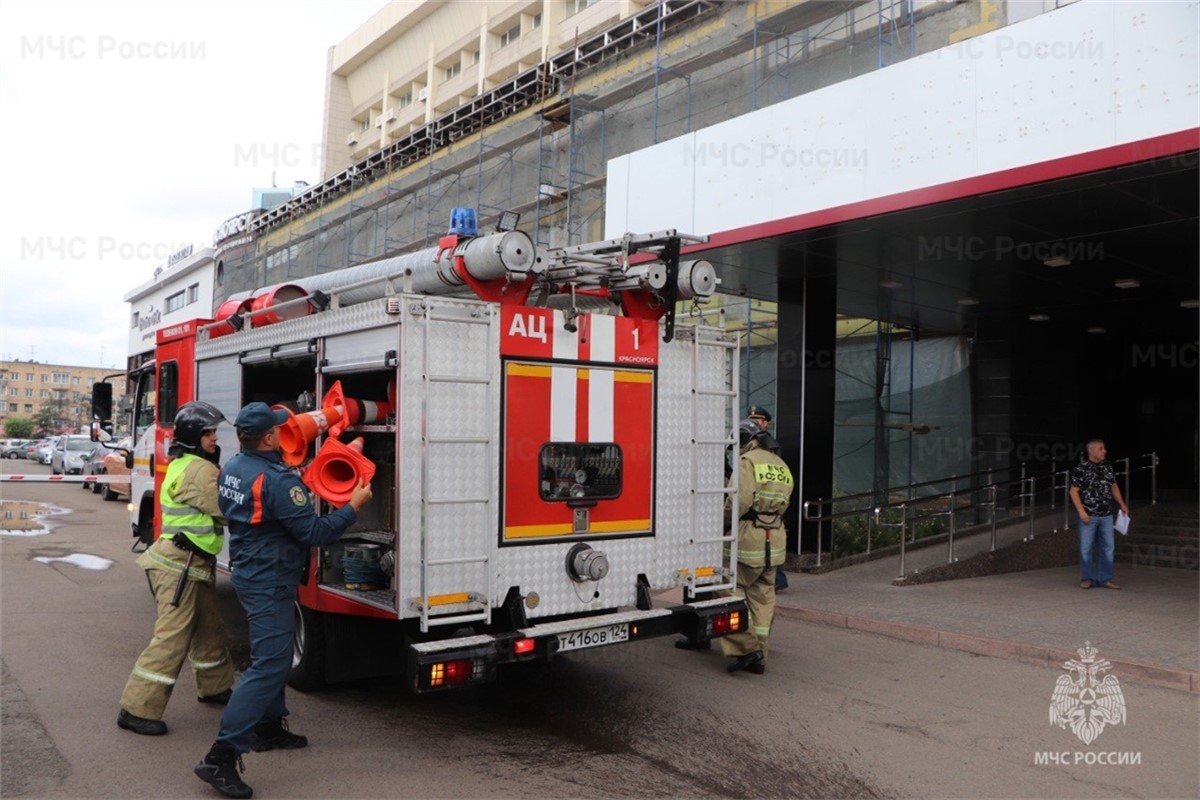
(258,418)
(758,412)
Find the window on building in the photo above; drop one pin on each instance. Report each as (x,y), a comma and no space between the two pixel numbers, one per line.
(133,320)
(29,377)
(61,377)
(44,393)
(16,376)
(29,392)
(12,407)
(575,6)
(536,21)
(174,303)
(45,377)
(74,380)
(473,57)
(193,293)
(404,100)
(510,35)
(453,70)
(28,408)
(14,392)
(221,272)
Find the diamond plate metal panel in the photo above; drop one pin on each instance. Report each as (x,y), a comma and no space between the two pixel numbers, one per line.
(693,377)
(542,568)
(330,322)
(448,419)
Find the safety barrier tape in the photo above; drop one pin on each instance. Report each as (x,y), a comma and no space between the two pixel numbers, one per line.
(65,478)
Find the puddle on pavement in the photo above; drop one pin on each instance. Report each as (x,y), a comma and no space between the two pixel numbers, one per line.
(26,518)
(81,560)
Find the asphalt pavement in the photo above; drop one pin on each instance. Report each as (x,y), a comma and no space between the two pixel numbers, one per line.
(1149,629)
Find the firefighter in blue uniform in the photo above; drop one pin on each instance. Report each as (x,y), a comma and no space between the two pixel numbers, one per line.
(272,525)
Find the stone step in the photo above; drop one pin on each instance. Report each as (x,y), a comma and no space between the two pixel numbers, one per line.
(1176,554)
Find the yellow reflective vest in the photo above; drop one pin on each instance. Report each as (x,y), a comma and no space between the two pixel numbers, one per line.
(764,491)
(181,518)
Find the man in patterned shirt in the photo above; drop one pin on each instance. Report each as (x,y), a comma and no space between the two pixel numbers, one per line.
(1093,491)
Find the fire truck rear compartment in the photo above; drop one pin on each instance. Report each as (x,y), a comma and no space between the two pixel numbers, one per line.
(435,526)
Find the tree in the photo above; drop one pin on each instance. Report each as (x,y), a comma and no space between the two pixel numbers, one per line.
(51,418)
(18,428)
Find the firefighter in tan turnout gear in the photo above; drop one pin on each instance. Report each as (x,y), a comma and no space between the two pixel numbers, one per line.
(764,490)
(180,569)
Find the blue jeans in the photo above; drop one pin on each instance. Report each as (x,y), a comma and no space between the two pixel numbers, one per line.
(258,696)
(1100,528)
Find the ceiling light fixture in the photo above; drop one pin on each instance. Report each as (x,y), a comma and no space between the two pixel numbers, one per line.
(1039,317)
(1057,261)
(1127,283)
(890,284)
(968,301)
(1097,330)
(1189,303)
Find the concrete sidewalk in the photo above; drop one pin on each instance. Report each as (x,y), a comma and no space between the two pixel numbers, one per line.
(1149,630)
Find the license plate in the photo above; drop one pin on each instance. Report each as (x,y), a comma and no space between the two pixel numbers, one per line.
(593,637)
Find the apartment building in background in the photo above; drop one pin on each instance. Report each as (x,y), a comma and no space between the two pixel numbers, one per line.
(26,387)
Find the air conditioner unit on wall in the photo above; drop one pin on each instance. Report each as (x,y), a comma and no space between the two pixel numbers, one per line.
(352,139)
(423,95)
(389,114)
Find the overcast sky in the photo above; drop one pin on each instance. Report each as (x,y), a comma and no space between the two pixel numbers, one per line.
(129,130)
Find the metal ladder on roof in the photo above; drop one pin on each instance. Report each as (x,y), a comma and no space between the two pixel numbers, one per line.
(471,603)
(701,444)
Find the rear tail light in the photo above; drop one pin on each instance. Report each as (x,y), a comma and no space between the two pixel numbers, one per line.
(722,624)
(446,673)
(522,646)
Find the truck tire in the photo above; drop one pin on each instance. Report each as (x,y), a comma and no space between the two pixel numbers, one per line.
(143,531)
(308,651)
(106,493)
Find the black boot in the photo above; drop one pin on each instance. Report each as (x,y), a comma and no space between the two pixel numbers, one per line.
(221,768)
(274,735)
(146,727)
(218,699)
(746,662)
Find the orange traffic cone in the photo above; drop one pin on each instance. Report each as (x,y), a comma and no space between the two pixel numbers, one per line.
(300,429)
(354,412)
(337,469)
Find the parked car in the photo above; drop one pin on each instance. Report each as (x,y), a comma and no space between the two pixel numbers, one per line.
(68,455)
(46,449)
(94,465)
(116,464)
(15,448)
(31,449)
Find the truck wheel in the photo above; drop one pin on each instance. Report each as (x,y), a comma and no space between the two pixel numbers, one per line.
(107,493)
(308,651)
(97,485)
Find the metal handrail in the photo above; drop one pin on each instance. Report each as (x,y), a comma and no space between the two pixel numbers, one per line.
(1026,494)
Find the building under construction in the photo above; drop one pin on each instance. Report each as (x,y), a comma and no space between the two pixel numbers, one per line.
(959,236)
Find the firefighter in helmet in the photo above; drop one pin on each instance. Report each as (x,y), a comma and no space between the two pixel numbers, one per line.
(179,567)
(764,491)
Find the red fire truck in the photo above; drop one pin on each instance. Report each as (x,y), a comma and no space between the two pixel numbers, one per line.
(545,443)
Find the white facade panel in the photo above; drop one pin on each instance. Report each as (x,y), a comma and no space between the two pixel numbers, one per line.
(1090,76)
(148,303)
(1156,68)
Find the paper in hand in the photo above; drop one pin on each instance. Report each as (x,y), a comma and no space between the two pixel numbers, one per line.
(1122,523)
